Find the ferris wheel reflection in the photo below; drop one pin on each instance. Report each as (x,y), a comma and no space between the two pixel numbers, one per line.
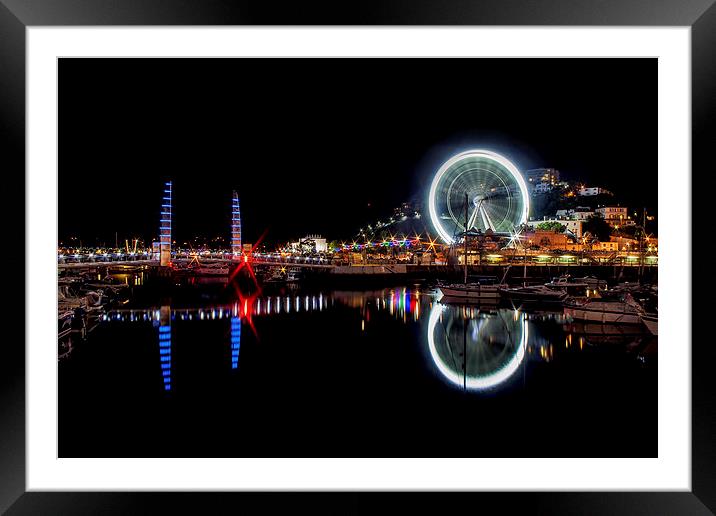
(474,348)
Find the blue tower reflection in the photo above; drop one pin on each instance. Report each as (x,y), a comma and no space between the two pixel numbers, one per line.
(235,341)
(165,346)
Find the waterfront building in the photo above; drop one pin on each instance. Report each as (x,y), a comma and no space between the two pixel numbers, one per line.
(606,246)
(547,239)
(650,244)
(310,243)
(625,243)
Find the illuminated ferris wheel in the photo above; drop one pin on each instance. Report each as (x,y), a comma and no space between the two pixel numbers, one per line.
(477,190)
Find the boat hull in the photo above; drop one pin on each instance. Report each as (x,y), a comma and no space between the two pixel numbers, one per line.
(488,292)
(593,283)
(601,315)
(491,302)
(533,297)
(599,329)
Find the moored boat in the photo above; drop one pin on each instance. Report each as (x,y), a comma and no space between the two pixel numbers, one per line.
(565,282)
(535,293)
(604,310)
(596,328)
(471,291)
(592,282)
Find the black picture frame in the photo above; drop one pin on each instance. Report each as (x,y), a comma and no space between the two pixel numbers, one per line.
(700,15)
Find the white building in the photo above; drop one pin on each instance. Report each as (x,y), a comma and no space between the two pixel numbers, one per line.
(541,180)
(607,246)
(564,214)
(593,191)
(582,213)
(541,188)
(578,213)
(311,243)
(541,175)
(615,215)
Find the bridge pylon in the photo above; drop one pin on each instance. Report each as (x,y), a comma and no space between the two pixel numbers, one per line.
(165,227)
(236,249)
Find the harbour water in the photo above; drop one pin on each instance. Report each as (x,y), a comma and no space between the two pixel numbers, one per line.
(206,370)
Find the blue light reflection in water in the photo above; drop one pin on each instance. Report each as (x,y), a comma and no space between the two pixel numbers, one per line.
(235,341)
(164,336)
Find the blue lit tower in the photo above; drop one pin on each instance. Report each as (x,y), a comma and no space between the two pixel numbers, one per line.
(235,227)
(165,345)
(165,227)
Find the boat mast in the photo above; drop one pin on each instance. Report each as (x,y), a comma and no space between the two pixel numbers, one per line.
(465,238)
(464,352)
(505,273)
(642,234)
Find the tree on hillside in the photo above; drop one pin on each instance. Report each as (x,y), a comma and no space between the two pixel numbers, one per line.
(598,227)
(551,226)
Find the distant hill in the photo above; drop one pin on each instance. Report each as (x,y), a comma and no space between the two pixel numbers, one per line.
(409,226)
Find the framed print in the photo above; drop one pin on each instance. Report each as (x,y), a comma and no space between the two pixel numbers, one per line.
(359,252)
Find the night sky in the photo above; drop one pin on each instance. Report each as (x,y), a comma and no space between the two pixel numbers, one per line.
(327,145)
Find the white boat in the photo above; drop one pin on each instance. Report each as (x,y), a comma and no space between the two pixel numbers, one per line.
(471,291)
(613,311)
(592,282)
(651,321)
(566,281)
(537,293)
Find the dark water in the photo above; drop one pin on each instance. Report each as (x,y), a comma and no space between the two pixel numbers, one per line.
(210,372)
